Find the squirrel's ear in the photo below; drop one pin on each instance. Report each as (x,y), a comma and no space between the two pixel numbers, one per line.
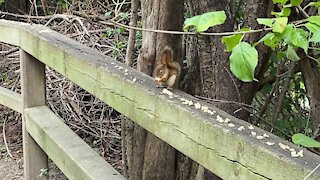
(166,55)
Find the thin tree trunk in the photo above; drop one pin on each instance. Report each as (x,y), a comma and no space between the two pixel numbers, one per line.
(17,6)
(132,32)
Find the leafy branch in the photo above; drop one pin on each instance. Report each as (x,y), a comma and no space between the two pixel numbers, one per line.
(284,37)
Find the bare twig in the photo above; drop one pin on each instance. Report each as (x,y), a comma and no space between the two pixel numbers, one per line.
(311,172)
(234,83)
(132,32)
(286,85)
(4,137)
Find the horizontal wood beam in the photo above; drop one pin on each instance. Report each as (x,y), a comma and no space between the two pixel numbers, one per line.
(213,138)
(76,159)
(10,32)
(11,99)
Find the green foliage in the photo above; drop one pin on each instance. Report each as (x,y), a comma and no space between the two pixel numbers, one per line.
(2,1)
(312,27)
(64,3)
(315,37)
(243,61)
(284,12)
(204,21)
(314,20)
(270,39)
(291,54)
(296,2)
(4,77)
(266,21)
(305,141)
(44,173)
(231,41)
(299,37)
(283,2)
(317,4)
(286,37)
(280,24)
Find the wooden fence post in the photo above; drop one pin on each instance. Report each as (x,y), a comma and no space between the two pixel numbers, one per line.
(33,89)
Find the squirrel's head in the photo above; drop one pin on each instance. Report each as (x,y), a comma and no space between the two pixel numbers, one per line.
(161,72)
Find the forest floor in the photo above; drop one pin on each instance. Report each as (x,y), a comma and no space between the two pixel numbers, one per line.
(11,159)
(10,146)
(95,122)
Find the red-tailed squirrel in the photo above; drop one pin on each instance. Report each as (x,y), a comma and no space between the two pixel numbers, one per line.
(167,72)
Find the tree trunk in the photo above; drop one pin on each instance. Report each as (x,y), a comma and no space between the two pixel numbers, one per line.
(17,6)
(311,76)
(217,80)
(147,156)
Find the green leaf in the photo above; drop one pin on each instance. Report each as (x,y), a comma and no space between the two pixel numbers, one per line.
(315,37)
(283,2)
(243,61)
(273,41)
(286,34)
(312,27)
(285,12)
(231,41)
(280,55)
(266,21)
(299,37)
(280,24)
(317,4)
(291,54)
(304,140)
(265,37)
(245,29)
(204,21)
(296,2)
(2,1)
(314,20)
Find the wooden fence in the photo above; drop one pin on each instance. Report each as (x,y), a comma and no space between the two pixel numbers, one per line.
(229,147)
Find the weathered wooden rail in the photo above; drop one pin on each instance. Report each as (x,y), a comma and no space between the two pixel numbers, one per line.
(221,143)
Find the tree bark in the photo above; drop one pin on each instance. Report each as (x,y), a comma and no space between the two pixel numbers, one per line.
(17,6)
(147,156)
(311,77)
(217,80)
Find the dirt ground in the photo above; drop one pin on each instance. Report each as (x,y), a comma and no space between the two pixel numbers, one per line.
(10,170)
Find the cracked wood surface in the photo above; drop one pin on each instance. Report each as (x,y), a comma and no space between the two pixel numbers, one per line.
(236,154)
